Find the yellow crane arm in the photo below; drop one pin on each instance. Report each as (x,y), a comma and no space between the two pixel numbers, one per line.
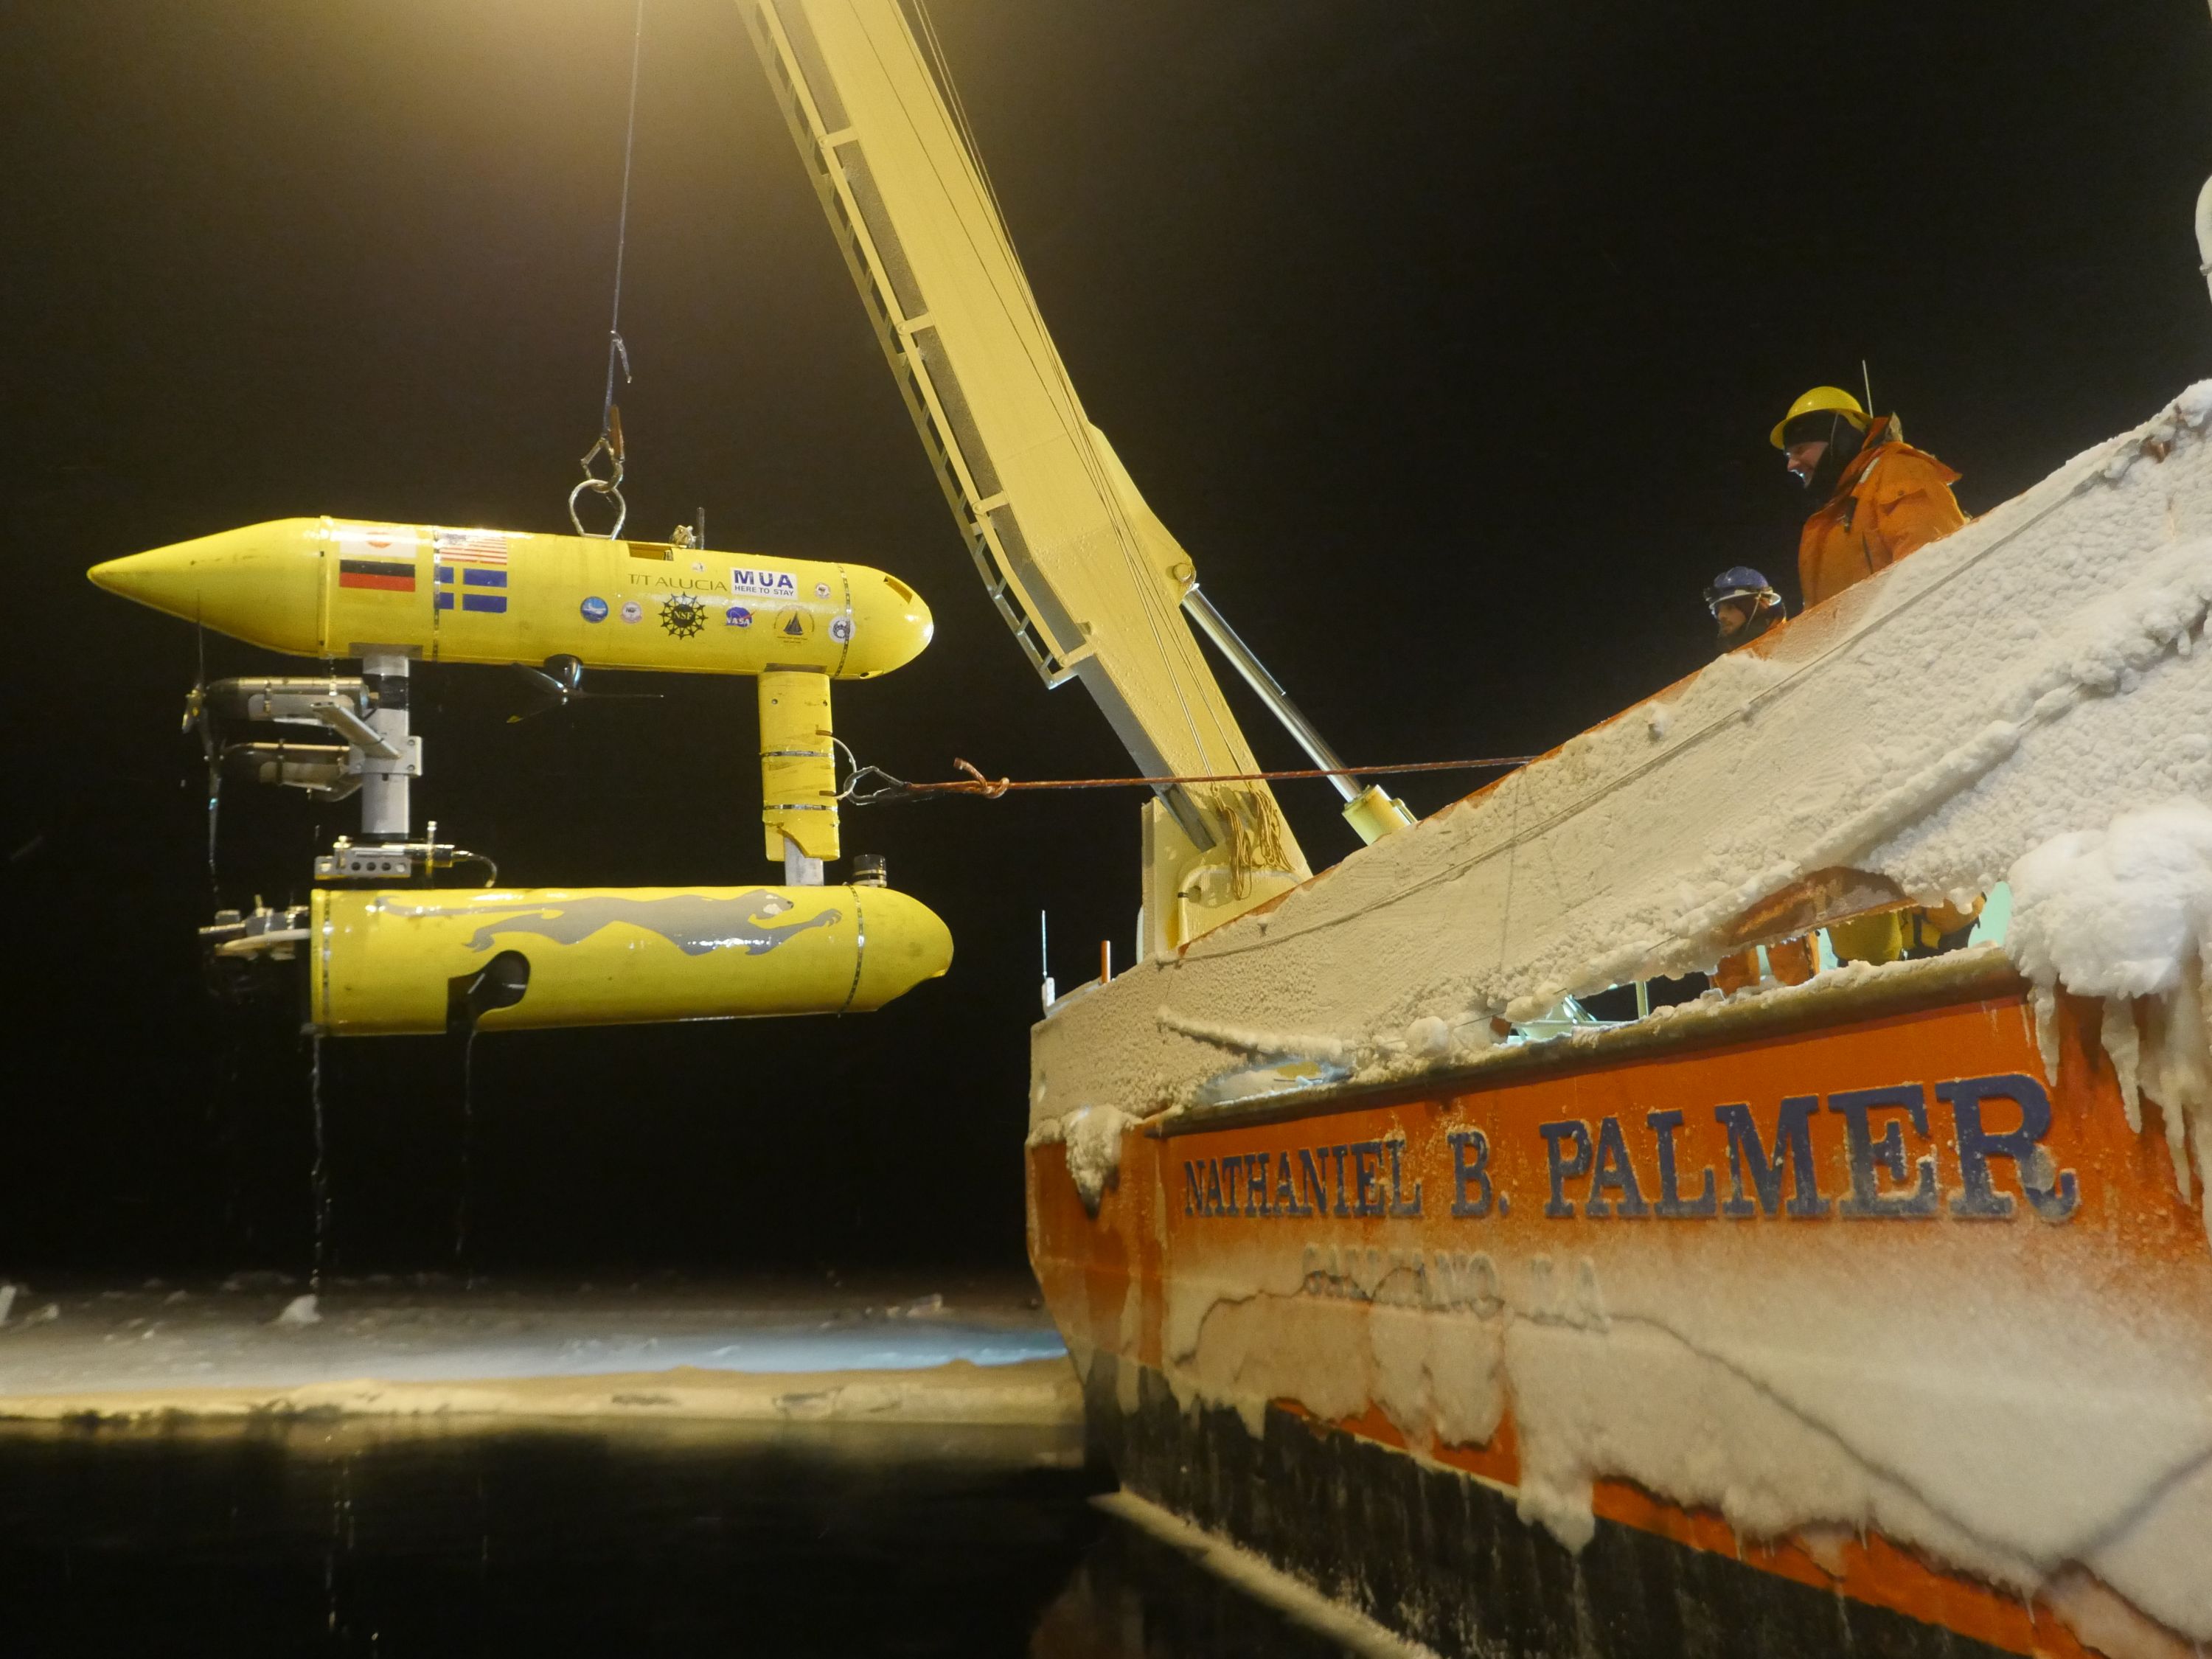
(1089,579)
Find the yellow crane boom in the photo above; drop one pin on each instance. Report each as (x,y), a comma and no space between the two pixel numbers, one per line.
(1089,580)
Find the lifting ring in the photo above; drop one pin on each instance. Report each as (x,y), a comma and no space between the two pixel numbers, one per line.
(603,487)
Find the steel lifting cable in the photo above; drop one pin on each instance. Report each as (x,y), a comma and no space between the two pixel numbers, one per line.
(610,441)
(890,789)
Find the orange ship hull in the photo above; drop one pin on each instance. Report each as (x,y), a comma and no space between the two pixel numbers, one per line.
(1403,1341)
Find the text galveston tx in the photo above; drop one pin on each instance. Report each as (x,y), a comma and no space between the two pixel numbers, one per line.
(1770,1170)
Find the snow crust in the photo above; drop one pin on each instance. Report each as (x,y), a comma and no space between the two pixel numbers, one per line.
(1093,1138)
(299,1311)
(2027,678)
(765,1351)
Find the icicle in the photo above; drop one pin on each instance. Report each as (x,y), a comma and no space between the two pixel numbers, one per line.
(2123,1044)
(2200,1109)
(2177,1080)
(2043,997)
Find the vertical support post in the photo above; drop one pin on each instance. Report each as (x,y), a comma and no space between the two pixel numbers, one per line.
(798,776)
(385,805)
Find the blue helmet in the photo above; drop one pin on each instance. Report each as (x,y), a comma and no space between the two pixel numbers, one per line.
(1741,582)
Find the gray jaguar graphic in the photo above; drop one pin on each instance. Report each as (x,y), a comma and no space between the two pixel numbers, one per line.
(694,923)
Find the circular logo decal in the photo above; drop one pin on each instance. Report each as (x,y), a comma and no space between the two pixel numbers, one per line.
(794,621)
(594,608)
(680,618)
(632,611)
(822,590)
(737,616)
(841,629)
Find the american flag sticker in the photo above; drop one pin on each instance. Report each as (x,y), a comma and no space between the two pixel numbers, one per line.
(480,547)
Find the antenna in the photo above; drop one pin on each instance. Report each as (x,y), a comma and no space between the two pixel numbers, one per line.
(1044,961)
(1867,380)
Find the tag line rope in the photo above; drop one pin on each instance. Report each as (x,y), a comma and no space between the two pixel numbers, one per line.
(889,789)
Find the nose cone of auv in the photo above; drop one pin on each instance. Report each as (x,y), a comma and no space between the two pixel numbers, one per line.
(891,625)
(262,583)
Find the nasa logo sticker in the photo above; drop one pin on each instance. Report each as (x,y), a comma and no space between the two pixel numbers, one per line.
(594,608)
(632,611)
(841,629)
(737,616)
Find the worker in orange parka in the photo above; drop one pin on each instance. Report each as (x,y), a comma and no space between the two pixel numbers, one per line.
(1879,499)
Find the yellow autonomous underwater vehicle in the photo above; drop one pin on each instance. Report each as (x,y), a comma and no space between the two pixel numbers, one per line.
(386,951)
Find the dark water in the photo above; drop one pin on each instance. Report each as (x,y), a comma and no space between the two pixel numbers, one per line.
(289,1537)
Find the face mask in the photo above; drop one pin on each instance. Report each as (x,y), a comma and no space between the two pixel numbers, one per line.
(1844,441)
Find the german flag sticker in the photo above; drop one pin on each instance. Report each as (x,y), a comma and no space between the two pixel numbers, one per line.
(392,575)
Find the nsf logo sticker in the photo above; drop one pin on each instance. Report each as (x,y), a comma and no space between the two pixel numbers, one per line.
(594,608)
(737,616)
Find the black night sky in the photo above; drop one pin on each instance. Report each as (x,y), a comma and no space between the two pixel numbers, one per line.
(1446,337)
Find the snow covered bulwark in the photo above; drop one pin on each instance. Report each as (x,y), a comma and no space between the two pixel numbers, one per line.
(2025,678)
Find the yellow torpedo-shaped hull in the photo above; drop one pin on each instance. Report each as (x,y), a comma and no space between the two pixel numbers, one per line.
(405,960)
(339,587)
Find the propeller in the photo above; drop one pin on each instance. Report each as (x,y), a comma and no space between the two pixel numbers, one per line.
(560,681)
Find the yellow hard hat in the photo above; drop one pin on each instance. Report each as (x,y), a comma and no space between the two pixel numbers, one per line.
(1821,398)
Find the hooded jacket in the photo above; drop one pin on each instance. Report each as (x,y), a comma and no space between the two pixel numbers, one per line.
(1891,499)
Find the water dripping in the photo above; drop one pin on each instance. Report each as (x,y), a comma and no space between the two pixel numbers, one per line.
(321,1180)
(468,1147)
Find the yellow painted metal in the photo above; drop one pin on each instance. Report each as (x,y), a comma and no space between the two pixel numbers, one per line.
(329,588)
(1086,575)
(1375,815)
(1190,892)
(398,961)
(798,776)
